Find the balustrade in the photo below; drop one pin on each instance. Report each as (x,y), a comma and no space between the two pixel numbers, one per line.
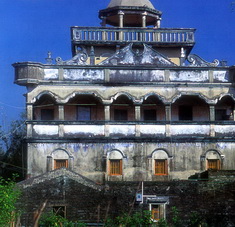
(149,130)
(149,35)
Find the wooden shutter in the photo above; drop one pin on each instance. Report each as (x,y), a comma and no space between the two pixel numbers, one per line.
(115,167)
(161,167)
(213,164)
(59,163)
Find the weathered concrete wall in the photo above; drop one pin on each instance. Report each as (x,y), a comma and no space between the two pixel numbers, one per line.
(90,159)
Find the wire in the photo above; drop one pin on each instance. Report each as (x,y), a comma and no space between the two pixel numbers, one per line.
(13,165)
(9,133)
(16,107)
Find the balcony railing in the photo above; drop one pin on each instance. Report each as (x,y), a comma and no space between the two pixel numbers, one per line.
(131,129)
(134,35)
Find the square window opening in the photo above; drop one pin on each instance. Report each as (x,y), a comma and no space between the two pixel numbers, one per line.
(83,113)
(115,167)
(120,115)
(221,115)
(185,113)
(150,115)
(47,114)
(213,164)
(60,163)
(161,167)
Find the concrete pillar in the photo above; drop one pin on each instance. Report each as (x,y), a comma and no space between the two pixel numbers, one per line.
(159,23)
(212,118)
(49,163)
(121,23)
(29,112)
(212,113)
(107,113)
(103,22)
(92,56)
(144,20)
(137,113)
(121,17)
(61,112)
(29,130)
(182,56)
(107,118)
(137,118)
(71,162)
(168,112)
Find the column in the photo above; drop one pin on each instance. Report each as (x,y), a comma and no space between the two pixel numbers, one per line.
(168,118)
(212,118)
(137,118)
(29,130)
(71,161)
(107,112)
(159,23)
(137,113)
(144,19)
(212,113)
(182,56)
(92,56)
(61,118)
(168,112)
(121,16)
(30,112)
(103,23)
(107,118)
(49,163)
(61,112)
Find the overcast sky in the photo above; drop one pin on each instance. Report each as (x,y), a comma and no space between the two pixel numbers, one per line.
(31,28)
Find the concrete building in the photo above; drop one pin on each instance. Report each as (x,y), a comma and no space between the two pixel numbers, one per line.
(133,103)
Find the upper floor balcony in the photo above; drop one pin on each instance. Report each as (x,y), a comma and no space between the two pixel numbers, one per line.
(86,116)
(122,36)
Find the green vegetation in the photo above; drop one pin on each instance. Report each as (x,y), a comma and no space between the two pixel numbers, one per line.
(137,219)
(53,220)
(9,195)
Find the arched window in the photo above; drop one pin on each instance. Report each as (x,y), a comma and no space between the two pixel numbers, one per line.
(122,109)
(59,159)
(84,108)
(212,160)
(160,162)
(224,109)
(190,108)
(115,163)
(152,109)
(45,109)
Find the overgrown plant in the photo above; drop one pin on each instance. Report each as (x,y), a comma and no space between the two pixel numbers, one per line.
(175,218)
(53,220)
(9,195)
(137,219)
(162,223)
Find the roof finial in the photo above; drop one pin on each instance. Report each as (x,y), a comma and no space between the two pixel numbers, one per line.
(49,59)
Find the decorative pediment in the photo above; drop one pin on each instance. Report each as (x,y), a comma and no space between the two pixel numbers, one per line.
(197,61)
(127,56)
